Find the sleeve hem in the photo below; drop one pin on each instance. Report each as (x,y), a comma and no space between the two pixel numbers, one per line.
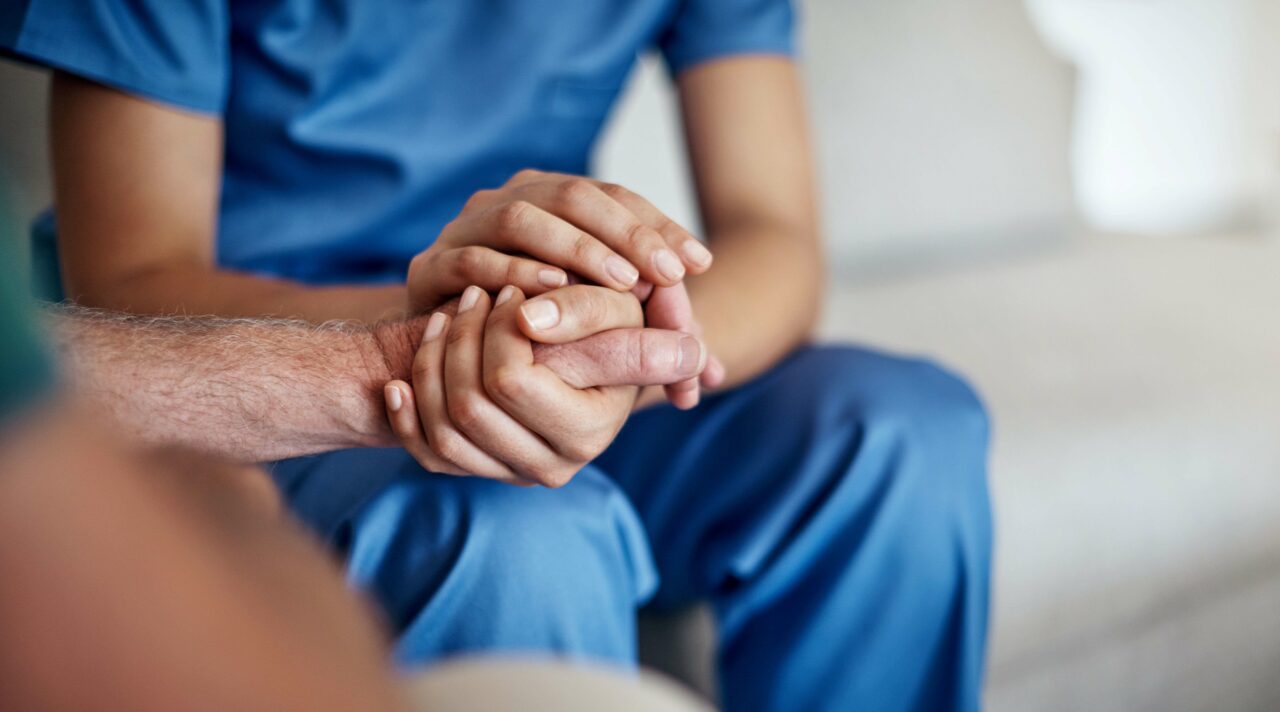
(31,50)
(677,63)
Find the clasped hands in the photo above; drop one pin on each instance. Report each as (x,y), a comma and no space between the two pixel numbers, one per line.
(529,385)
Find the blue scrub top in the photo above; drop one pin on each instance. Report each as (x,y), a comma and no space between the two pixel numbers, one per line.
(355,129)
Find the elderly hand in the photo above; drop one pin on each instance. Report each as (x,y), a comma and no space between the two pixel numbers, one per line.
(541,231)
(486,406)
(555,318)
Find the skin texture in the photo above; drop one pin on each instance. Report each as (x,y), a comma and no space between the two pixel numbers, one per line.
(232,608)
(257,389)
(137,189)
(600,232)
(488,402)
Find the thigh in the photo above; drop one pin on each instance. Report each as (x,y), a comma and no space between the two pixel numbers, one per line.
(722,487)
(462,564)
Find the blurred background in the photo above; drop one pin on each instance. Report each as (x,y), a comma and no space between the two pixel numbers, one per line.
(1073,202)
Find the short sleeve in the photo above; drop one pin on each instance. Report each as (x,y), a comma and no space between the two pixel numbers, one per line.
(174,51)
(707,29)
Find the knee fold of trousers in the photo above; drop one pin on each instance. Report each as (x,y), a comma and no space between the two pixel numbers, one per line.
(892,536)
(906,439)
(463,562)
(935,420)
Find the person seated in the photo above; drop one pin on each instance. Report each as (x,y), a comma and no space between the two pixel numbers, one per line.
(358,159)
(143,570)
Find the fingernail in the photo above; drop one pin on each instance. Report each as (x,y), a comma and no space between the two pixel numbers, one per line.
(669,265)
(696,253)
(541,314)
(621,270)
(435,326)
(690,356)
(507,292)
(551,278)
(394,401)
(469,298)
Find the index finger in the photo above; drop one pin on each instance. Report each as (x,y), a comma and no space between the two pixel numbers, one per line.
(695,256)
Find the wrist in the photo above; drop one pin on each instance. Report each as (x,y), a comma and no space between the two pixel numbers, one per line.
(386,350)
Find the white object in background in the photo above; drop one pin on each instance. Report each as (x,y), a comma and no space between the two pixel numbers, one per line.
(942,128)
(1176,115)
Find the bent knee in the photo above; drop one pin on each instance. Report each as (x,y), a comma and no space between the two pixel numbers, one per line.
(916,396)
(917,428)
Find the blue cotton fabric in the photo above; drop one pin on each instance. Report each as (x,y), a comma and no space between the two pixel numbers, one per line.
(833,512)
(355,129)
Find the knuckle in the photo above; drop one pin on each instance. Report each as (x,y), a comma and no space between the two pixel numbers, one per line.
(469,260)
(505,383)
(535,473)
(445,443)
(573,193)
(552,476)
(477,199)
(525,174)
(419,262)
(513,217)
(638,235)
(671,231)
(651,355)
(514,272)
(583,247)
(466,412)
(635,357)
(581,449)
(451,233)
(615,191)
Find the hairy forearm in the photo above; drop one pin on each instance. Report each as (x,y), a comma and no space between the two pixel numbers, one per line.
(248,389)
(762,297)
(197,289)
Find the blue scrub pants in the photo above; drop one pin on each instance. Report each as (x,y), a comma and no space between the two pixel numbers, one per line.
(834,512)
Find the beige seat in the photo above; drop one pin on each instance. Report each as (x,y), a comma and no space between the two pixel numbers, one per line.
(537,686)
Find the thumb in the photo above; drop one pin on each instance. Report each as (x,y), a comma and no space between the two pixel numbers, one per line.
(625,357)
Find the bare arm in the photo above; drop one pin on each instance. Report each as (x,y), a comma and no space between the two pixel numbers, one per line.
(250,389)
(264,389)
(137,188)
(752,162)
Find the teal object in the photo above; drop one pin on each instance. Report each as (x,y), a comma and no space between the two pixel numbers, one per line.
(46,273)
(26,367)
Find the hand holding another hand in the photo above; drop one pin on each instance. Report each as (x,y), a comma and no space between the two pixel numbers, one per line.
(483,403)
(539,228)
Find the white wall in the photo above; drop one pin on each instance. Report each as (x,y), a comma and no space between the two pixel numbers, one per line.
(941,126)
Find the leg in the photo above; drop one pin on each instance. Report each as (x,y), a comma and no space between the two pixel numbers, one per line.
(464,565)
(835,513)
